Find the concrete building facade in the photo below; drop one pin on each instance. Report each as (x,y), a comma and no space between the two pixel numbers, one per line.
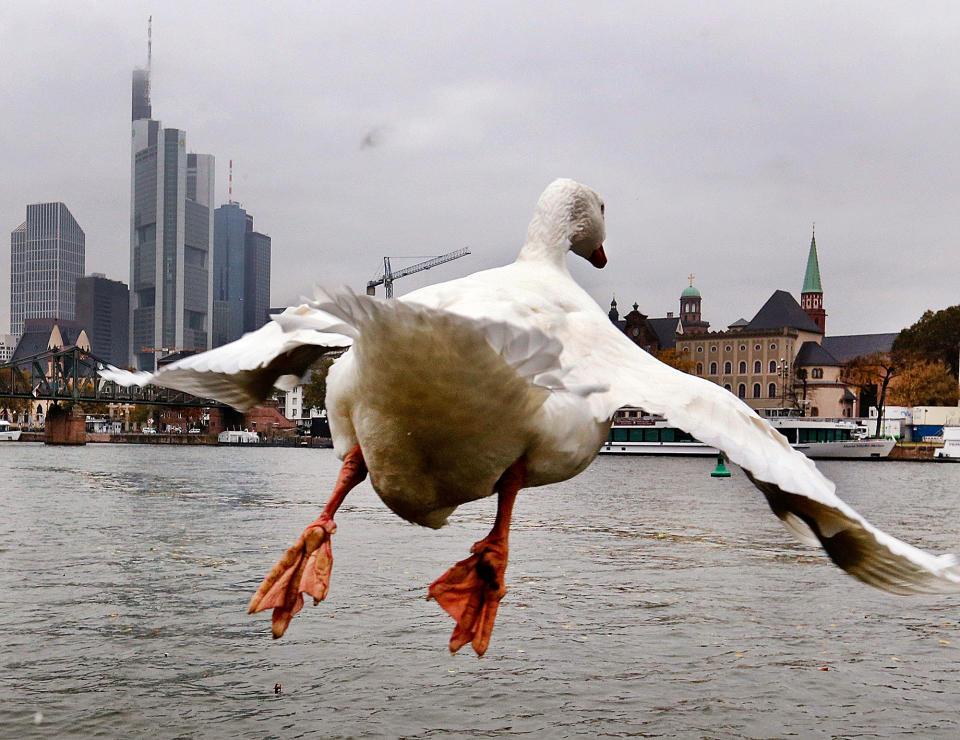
(103,309)
(47,255)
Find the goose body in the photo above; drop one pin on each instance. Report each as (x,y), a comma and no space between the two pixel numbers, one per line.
(502,380)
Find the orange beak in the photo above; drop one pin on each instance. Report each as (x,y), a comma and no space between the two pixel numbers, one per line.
(598,259)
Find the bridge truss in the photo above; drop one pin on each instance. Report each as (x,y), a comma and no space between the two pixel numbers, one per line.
(70,375)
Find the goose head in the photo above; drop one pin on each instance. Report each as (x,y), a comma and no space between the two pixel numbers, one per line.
(568,217)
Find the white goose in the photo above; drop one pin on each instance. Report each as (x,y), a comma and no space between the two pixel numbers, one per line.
(502,380)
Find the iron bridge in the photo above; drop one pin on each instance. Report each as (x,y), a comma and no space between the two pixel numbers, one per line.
(71,375)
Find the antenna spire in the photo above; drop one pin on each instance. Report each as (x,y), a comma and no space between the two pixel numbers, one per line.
(149,42)
(230,179)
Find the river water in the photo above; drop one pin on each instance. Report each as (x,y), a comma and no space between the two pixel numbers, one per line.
(646,598)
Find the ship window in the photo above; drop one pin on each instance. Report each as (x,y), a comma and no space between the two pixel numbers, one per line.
(756,390)
(713,368)
(772,390)
(728,367)
(790,434)
(743,367)
(620,435)
(742,390)
(668,434)
(651,435)
(636,435)
(773,366)
(756,367)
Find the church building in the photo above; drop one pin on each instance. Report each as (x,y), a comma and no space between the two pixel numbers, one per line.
(780,361)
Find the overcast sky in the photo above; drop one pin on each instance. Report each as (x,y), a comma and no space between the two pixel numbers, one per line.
(716,135)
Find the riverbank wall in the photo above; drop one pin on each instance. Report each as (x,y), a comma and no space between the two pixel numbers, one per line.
(186,439)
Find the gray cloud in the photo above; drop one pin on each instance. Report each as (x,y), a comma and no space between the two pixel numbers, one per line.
(715,138)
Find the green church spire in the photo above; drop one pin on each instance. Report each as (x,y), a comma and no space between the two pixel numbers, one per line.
(811,279)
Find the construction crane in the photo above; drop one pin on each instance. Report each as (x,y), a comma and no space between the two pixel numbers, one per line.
(389,275)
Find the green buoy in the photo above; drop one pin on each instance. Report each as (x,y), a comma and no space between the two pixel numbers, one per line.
(721,470)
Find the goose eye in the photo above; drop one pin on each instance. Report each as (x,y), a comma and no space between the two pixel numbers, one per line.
(602,208)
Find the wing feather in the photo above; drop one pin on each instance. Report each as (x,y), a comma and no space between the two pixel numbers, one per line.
(242,373)
(797,492)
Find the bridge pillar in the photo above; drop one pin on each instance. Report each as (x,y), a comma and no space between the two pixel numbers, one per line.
(65,427)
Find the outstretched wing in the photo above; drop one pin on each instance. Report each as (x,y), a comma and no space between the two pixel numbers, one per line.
(242,373)
(797,492)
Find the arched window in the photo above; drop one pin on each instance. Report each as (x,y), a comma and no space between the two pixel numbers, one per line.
(713,368)
(814,411)
(728,367)
(756,390)
(772,390)
(742,390)
(817,372)
(773,366)
(743,366)
(756,367)
(726,386)
(699,368)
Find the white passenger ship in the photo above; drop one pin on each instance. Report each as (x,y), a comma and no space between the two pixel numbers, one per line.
(6,433)
(634,433)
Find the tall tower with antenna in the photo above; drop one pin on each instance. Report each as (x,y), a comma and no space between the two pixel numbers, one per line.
(171,234)
(141,82)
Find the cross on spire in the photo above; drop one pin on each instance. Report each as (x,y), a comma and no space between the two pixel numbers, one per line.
(690,278)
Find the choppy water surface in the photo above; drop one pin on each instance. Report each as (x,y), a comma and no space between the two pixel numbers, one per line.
(645,598)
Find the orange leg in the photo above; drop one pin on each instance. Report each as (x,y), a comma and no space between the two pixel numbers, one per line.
(471,590)
(305,568)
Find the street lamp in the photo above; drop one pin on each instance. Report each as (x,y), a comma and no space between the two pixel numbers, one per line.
(783,371)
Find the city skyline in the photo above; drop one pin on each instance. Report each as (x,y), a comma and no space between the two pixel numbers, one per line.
(715,140)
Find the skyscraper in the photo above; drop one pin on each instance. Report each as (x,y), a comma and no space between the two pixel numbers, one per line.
(103,308)
(47,253)
(241,283)
(256,307)
(171,230)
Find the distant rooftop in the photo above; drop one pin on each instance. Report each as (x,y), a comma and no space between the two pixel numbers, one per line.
(782,309)
(848,346)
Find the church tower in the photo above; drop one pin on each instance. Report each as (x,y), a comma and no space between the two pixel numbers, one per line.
(614,314)
(811,297)
(690,315)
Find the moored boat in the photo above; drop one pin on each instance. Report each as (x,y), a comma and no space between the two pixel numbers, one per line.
(634,433)
(237,437)
(6,433)
(951,445)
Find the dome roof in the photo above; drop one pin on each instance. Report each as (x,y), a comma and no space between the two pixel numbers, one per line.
(690,292)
